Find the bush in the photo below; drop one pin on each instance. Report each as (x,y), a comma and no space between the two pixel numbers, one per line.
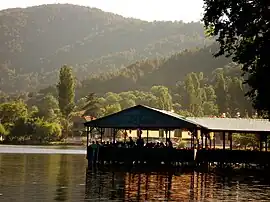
(2,130)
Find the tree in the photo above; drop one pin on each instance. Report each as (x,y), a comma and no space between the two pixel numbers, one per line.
(2,130)
(221,90)
(66,90)
(242,28)
(11,111)
(47,107)
(91,105)
(164,98)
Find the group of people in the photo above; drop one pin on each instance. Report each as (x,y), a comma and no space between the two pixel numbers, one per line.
(139,143)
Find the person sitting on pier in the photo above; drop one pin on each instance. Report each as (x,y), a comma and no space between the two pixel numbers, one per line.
(107,144)
(161,145)
(130,143)
(140,142)
(169,142)
(157,145)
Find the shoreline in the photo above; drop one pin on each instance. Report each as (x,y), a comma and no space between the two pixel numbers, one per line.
(44,144)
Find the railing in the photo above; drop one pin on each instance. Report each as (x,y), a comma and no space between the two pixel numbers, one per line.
(166,155)
(233,156)
(149,155)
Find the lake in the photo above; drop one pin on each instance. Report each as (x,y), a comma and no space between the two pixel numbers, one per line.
(29,173)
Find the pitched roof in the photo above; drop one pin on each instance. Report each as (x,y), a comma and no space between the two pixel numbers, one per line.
(233,124)
(143,117)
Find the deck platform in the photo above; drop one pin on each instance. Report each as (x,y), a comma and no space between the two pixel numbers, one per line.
(158,156)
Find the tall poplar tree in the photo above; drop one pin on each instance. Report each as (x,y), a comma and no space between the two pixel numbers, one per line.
(66,90)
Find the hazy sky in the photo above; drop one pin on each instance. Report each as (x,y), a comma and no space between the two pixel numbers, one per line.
(186,10)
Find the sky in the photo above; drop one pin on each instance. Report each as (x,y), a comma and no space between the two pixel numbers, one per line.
(186,10)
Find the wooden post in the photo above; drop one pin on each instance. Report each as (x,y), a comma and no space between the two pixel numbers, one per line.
(166,132)
(125,138)
(147,134)
(210,140)
(197,138)
(192,141)
(202,138)
(205,139)
(224,136)
(266,143)
(261,140)
(114,134)
(169,134)
(230,137)
(87,136)
(214,140)
(102,131)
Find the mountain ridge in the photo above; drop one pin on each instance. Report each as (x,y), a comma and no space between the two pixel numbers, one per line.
(38,40)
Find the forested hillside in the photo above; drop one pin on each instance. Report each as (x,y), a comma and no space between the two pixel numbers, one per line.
(142,75)
(37,41)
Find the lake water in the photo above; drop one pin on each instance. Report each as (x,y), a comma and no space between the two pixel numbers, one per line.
(40,174)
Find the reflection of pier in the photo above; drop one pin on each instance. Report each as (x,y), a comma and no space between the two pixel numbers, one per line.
(140,185)
(102,185)
(202,149)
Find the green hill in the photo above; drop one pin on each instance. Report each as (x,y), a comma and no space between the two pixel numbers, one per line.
(164,71)
(37,41)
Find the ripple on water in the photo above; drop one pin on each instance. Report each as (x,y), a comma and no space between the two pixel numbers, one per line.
(58,177)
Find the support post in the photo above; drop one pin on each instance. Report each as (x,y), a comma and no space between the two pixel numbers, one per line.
(147,135)
(169,134)
(266,143)
(205,139)
(224,136)
(125,137)
(87,136)
(166,132)
(214,140)
(261,140)
(210,139)
(102,131)
(114,134)
(197,138)
(230,137)
(192,140)
(202,138)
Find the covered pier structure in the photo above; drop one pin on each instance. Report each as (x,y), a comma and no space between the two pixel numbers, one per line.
(228,153)
(140,118)
(203,148)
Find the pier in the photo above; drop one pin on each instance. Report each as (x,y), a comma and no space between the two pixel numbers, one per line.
(203,132)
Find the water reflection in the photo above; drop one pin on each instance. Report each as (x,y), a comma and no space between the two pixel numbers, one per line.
(42,177)
(62,177)
(130,186)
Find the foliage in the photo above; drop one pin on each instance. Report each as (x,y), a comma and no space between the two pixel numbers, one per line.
(11,111)
(22,123)
(35,130)
(246,140)
(195,96)
(243,31)
(87,38)
(48,107)
(2,130)
(155,69)
(66,91)
(90,104)
(181,144)
(142,75)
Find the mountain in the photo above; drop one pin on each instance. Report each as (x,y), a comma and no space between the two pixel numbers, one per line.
(37,41)
(144,74)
